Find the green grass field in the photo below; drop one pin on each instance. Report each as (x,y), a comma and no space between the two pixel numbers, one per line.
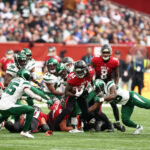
(84,141)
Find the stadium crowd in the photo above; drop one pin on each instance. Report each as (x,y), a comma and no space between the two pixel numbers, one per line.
(72,22)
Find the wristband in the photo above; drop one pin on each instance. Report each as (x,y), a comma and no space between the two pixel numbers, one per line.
(101,99)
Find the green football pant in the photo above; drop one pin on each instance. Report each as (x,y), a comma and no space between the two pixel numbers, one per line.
(18,110)
(126,110)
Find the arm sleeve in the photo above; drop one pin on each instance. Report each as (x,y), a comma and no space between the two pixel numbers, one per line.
(39,92)
(31,94)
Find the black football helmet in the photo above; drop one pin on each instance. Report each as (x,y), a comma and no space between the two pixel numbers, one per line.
(80,69)
(106,52)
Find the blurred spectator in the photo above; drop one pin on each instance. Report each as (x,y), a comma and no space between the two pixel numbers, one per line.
(87,58)
(121,64)
(127,73)
(139,67)
(72,22)
(5,61)
(2,37)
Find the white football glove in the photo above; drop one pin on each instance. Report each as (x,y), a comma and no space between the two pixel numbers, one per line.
(78,93)
(101,99)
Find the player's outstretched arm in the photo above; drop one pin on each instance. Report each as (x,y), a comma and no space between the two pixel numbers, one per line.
(53,90)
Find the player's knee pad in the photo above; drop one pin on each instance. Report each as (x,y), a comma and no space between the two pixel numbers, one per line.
(44,127)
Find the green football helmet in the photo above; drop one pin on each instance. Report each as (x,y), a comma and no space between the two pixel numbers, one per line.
(51,65)
(27,52)
(20,60)
(99,87)
(62,70)
(25,74)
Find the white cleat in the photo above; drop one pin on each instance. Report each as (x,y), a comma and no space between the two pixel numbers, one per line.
(26,134)
(138,129)
(76,131)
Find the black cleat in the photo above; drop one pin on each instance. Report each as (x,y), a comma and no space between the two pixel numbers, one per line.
(120,127)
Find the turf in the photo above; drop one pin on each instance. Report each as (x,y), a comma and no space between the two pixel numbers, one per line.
(84,141)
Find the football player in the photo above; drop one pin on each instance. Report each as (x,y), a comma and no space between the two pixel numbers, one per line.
(14,91)
(76,91)
(104,66)
(11,72)
(51,81)
(62,71)
(69,63)
(51,54)
(128,99)
(56,109)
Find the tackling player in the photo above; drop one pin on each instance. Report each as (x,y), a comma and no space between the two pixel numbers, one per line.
(128,99)
(104,66)
(51,81)
(14,90)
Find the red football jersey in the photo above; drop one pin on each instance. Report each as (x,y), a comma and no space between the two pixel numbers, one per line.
(39,115)
(5,62)
(56,110)
(56,57)
(104,69)
(80,82)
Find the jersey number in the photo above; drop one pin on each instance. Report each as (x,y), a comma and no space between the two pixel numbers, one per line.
(11,88)
(104,73)
(117,99)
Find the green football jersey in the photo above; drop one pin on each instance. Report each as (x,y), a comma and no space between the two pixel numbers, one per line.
(13,92)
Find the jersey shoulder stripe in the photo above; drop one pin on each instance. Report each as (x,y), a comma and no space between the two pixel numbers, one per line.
(110,84)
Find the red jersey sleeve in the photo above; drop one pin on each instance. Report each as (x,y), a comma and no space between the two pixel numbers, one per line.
(116,61)
(71,78)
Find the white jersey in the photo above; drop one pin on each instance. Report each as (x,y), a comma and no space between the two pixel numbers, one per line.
(50,78)
(30,65)
(122,95)
(13,92)
(12,69)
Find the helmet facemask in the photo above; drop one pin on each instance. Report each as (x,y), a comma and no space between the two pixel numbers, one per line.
(81,72)
(51,68)
(106,52)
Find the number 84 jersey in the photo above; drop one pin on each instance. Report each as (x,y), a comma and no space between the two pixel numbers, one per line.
(104,69)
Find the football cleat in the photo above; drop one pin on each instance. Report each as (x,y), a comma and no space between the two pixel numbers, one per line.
(120,127)
(26,134)
(110,128)
(49,133)
(139,128)
(76,131)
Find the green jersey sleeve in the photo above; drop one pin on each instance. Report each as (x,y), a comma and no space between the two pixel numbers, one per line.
(91,95)
(49,78)
(109,85)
